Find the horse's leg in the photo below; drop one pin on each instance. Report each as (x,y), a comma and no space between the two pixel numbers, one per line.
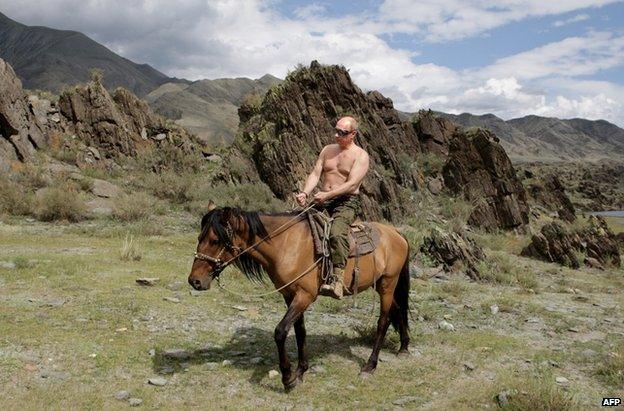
(298,305)
(386,296)
(302,352)
(402,329)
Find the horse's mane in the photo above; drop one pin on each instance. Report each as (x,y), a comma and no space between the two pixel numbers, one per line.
(216,219)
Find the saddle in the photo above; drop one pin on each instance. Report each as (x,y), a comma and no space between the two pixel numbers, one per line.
(363,237)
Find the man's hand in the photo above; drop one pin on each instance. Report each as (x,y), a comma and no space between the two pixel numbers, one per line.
(301,199)
(321,197)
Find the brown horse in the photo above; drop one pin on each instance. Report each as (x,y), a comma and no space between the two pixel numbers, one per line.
(281,246)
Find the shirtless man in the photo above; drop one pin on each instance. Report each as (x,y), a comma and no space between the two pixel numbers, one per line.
(340,167)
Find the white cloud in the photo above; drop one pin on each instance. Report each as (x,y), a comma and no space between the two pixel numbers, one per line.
(575,19)
(198,39)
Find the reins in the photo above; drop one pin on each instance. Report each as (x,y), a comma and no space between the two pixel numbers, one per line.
(220,266)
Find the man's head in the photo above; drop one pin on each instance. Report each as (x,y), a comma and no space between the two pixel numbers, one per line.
(346,130)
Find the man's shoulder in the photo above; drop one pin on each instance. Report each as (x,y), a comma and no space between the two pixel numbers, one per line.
(330,147)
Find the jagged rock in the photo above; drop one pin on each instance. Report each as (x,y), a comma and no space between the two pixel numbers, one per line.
(553,244)
(480,170)
(117,125)
(550,193)
(20,132)
(620,239)
(434,132)
(599,242)
(556,244)
(280,138)
(453,251)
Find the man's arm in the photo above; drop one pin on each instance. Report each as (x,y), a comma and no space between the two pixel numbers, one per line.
(315,175)
(356,175)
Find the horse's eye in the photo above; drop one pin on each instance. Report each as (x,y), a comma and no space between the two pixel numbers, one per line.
(214,242)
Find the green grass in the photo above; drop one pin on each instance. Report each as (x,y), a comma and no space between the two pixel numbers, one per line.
(71,308)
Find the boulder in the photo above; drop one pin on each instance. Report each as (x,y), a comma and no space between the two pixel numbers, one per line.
(20,132)
(454,251)
(103,188)
(553,244)
(599,242)
(479,169)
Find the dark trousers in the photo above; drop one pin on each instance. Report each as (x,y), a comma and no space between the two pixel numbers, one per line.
(344,210)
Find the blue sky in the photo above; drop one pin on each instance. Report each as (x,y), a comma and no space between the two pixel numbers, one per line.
(508,57)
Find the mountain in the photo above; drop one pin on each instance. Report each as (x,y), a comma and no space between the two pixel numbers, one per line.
(50,59)
(208,108)
(550,139)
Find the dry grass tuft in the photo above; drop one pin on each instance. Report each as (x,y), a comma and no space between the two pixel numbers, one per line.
(130,250)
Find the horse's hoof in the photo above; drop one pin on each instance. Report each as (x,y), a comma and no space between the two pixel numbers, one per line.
(288,386)
(403,354)
(366,374)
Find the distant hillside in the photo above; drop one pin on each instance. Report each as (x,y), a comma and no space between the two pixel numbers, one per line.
(50,59)
(208,108)
(551,139)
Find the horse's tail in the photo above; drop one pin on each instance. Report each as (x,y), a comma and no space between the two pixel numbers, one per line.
(400,308)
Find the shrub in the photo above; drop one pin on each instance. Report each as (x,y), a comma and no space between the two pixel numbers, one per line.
(171,186)
(431,163)
(611,369)
(133,207)
(60,203)
(14,199)
(130,250)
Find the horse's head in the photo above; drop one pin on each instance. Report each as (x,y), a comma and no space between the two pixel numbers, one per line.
(225,232)
(215,246)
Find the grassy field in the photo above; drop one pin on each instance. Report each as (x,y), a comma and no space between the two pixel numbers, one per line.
(77,330)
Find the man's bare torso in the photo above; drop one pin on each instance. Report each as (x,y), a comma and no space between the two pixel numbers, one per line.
(337,165)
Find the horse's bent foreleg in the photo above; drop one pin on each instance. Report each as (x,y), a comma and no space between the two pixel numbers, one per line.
(382,328)
(302,352)
(295,310)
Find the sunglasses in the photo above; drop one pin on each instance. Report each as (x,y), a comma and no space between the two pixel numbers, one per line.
(342,133)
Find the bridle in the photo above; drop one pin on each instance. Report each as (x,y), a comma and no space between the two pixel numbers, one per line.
(220,265)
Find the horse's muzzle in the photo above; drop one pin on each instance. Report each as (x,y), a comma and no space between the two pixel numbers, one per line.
(200,285)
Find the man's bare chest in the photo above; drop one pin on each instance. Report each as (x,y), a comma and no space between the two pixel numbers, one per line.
(341,162)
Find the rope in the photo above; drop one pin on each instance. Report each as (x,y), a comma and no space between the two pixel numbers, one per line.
(273,291)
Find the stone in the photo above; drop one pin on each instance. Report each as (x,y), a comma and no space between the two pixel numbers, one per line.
(502,398)
(100,206)
(135,402)
(256,360)
(435,185)
(273,374)
(157,381)
(226,363)
(404,400)
(561,380)
(149,281)
(172,299)
(176,285)
(56,375)
(318,369)
(195,293)
(549,193)
(177,354)
(494,309)
(469,366)
(160,137)
(7,264)
(239,307)
(122,395)
(94,152)
(151,352)
(446,326)
(102,188)
(552,244)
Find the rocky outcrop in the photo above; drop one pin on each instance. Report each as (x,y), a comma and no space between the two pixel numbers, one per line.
(434,133)
(20,133)
(283,134)
(454,251)
(116,125)
(479,169)
(599,242)
(553,244)
(549,193)
(596,242)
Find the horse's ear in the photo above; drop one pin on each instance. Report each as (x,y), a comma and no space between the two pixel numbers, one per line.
(211,206)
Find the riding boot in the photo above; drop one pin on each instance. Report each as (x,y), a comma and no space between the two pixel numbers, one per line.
(337,288)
